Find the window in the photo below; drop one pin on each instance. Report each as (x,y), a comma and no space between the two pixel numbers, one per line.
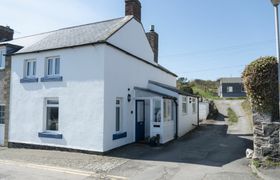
(157,111)
(229,89)
(53,66)
(52,114)
(194,105)
(30,68)
(167,109)
(2,59)
(2,114)
(185,105)
(118,114)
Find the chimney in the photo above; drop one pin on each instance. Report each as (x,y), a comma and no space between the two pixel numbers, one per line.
(133,7)
(6,33)
(153,39)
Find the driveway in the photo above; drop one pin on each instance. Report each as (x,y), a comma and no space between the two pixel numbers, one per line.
(209,152)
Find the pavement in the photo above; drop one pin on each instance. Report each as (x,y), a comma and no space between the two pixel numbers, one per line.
(212,151)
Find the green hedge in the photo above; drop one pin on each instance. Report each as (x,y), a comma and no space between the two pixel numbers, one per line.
(260,80)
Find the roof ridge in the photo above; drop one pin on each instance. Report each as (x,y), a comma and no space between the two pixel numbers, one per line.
(70,27)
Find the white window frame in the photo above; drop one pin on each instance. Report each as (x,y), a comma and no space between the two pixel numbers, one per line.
(54,69)
(3,59)
(3,105)
(184,101)
(120,106)
(32,69)
(229,89)
(46,113)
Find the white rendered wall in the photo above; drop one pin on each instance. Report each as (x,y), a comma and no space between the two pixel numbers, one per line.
(123,72)
(80,94)
(203,110)
(186,121)
(132,38)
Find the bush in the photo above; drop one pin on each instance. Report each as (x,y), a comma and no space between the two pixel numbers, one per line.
(260,80)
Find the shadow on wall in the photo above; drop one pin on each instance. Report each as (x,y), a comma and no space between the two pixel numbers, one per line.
(207,145)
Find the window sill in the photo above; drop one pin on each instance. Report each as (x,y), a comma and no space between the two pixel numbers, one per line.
(28,80)
(119,135)
(50,135)
(52,79)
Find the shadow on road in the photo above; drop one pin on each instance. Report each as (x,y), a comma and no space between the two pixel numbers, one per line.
(207,145)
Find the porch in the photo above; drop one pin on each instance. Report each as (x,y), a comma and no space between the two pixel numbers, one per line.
(155,115)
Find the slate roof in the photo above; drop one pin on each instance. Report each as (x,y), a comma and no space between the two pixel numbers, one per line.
(231,80)
(171,88)
(70,37)
(98,32)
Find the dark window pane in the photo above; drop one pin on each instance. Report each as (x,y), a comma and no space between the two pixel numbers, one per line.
(34,68)
(57,66)
(52,101)
(118,118)
(28,69)
(2,114)
(50,64)
(52,118)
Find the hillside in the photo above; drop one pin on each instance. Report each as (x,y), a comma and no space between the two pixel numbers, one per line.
(204,88)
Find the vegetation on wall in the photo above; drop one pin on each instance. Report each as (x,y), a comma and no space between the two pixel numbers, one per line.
(260,80)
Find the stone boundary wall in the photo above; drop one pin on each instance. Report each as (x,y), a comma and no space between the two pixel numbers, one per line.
(266,137)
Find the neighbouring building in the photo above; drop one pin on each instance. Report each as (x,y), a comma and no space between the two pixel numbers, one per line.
(231,87)
(95,87)
(6,34)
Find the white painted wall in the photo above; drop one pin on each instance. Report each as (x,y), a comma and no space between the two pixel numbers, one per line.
(186,121)
(203,110)
(80,94)
(132,38)
(123,72)
(2,134)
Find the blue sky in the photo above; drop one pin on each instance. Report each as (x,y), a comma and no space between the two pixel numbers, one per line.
(204,39)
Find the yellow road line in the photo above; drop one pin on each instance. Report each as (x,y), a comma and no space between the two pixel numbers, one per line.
(60,169)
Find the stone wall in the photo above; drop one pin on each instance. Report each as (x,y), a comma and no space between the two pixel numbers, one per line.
(266,137)
(6,95)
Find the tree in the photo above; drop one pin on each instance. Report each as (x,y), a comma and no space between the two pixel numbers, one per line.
(184,85)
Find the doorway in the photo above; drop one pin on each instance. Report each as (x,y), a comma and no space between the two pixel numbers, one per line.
(140,120)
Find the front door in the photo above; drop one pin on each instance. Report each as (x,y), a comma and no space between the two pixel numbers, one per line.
(140,120)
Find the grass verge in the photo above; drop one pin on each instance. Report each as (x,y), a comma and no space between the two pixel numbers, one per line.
(232,117)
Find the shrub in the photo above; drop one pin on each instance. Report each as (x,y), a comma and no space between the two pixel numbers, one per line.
(260,80)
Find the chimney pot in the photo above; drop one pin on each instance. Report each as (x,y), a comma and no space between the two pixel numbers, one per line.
(153,28)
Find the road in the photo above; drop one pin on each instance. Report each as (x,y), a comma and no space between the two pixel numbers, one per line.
(214,151)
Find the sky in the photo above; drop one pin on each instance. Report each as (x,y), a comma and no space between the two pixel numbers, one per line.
(198,39)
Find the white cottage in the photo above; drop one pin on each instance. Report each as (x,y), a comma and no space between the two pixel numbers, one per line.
(95,87)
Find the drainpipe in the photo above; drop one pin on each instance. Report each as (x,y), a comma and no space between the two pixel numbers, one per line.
(198,111)
(176,119)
